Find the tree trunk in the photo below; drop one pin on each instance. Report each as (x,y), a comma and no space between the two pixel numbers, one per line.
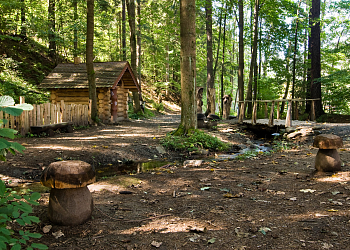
(75,17)
(23,19)
(210,72)
(131,15)
(241,58)
(249,96)
(90,58)
(123,31)
(288,78)
(223,68)
(139,41)
(188,66)
(52,29)
(315,46)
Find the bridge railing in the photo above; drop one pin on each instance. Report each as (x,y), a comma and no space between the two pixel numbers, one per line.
(277,102)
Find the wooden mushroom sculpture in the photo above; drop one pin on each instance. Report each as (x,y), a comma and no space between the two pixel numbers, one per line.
(70,200)
(327,158)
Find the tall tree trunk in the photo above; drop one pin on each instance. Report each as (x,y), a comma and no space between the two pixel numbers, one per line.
(139,41)
(75,17)
(241,56)
(210,71)
(90,59)
(123,31)
(52,29)
(223,67)
(188,66)
(23,19)
(315,46)
(249,96)
(132,18)
(286,90)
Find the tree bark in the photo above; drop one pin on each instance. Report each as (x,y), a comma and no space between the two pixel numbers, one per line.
(210,71)
(123,31)
(253,58)
(75,17)
(188,66)
(139,41)
(132,18)
(241,57)
(223,67)
(90,58)
(23,19)
(52,29)
(315,53)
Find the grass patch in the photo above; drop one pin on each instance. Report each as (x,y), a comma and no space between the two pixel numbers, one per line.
(123,181)
(193,141)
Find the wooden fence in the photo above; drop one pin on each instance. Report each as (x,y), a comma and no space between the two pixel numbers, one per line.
(242,107)
(47,113)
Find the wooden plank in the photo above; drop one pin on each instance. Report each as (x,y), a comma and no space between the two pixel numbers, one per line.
(48,110)
(38,115)
(58,112)
(62,111)
(272,111)
(52,114)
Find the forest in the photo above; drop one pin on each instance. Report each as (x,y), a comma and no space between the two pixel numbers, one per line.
(262,48)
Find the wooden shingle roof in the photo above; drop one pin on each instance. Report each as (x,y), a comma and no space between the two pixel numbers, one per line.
(108,74)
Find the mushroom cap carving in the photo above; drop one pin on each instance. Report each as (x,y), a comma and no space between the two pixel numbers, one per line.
(328,141)
(68,174)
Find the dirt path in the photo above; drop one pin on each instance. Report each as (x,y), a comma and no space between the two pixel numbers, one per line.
(273,201)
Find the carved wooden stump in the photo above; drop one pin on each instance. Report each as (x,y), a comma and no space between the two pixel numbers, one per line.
(327,158)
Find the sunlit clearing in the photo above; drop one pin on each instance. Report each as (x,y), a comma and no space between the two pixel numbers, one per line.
(175,225)
(337,177)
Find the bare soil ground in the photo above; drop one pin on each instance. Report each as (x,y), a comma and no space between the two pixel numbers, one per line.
(274,201)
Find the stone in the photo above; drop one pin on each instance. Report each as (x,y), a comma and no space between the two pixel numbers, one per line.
(327,160)
(192,163)
(161,150)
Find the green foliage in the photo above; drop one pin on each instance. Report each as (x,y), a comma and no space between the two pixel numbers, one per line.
(15,207)
(140,115)
(193,141)
(158,106)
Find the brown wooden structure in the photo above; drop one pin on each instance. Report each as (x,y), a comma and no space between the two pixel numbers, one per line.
(69,82)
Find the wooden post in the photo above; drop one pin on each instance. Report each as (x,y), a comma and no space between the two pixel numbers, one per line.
(255,107)
(278,110)
(312,114)
(271,113)
(22,117)
(63,111)
(296,111)
(289,115)
(266,113)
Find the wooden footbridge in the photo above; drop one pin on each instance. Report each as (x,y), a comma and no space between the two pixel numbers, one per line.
(270,116)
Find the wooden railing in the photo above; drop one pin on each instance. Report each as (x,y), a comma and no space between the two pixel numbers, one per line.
(47,113)
(288,123)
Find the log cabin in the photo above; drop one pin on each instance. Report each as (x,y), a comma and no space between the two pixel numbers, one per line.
(114,80)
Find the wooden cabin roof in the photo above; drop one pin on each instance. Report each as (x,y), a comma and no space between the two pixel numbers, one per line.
(108,75)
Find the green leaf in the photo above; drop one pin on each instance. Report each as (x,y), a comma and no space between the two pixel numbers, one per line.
(23,241)
(15,214)
(25,106)
(21,222)
(34,235)
(18,147)
(2,245)
(6,101)
(7,132)
(16,247)
(4,144)
(25,207)
(5,231)
(35,196)
(34,219)
(3,239)
(39,246)
(13,111)
(2,188)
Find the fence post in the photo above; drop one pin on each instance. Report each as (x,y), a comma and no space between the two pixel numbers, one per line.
(312,114)
(272,113)
(266,113)
(254,112)
(289,115)
(241,112)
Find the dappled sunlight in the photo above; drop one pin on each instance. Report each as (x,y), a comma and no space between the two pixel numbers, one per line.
(336,178)
(317,214)
(56,147)
(174,225)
